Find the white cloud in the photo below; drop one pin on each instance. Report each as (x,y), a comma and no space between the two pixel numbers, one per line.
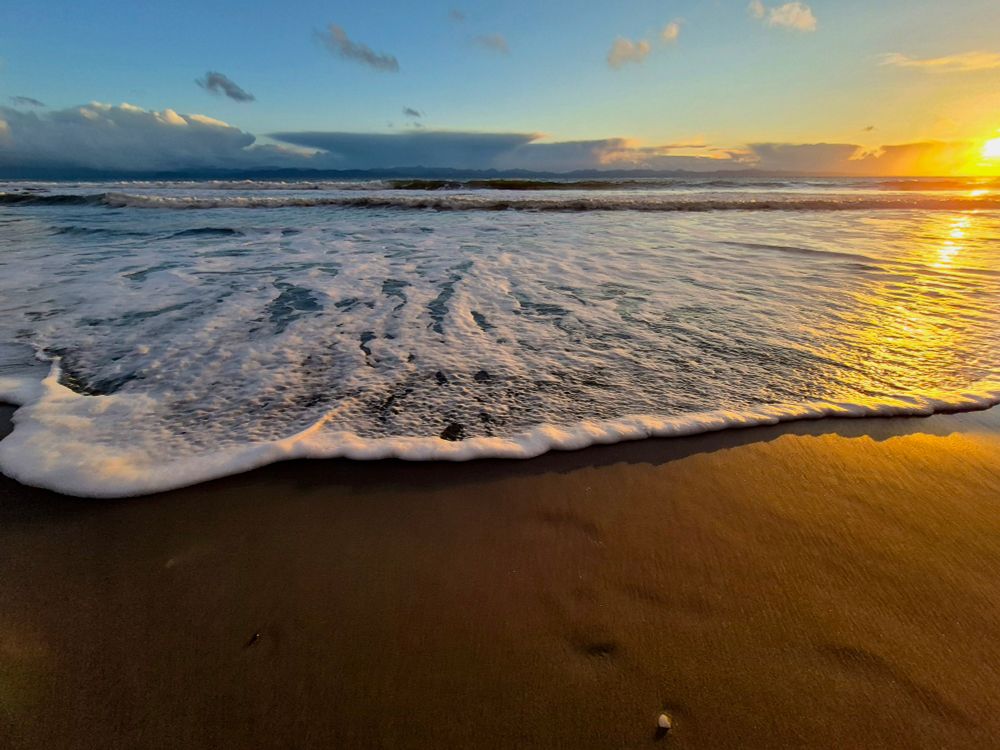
(671,32)
(796,16)
(962,62)
(626,51)
(172,118)
(123,137)
(206,120)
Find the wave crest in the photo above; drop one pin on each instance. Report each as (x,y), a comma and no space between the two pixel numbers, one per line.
(474,202)
(42,452)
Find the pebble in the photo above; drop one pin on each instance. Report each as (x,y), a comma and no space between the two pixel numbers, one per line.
(664,722)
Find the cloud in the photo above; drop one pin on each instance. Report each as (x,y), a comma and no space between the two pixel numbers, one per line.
(808,157)
(426,148)
(796,16)
(456,15)
(671,32)
(925,157)
(527,151)
(410,112)
(494,43)
(25,101)
(626,51)
(689,155)
(124,137)
(962,62)
(335,39)
(216,83)
(562,156)
(618,153)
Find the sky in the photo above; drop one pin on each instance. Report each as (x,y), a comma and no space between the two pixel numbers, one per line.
(824,86)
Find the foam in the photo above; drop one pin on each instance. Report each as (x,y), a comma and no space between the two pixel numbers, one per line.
(199,342)
(592,182)
(50,445)
(502,200)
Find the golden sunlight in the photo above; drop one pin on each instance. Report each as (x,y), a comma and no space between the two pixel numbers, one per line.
(991,149)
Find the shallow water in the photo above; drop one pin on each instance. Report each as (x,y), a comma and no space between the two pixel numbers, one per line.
(203,329)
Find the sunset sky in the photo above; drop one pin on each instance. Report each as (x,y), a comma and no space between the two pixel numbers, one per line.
(818,86)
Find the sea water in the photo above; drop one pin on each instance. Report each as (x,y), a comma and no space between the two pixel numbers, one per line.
(158,334)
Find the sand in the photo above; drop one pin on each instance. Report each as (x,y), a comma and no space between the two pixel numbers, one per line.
(822,584)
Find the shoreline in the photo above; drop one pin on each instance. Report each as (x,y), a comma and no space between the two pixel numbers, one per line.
(823,583)
(131,480)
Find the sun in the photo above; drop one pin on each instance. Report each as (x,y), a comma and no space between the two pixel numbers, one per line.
(991,149)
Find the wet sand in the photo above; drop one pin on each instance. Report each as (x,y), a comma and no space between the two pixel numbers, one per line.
(821,584)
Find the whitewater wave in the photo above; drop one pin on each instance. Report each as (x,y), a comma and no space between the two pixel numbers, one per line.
(517,184)
(193,345)
(50,446)
(474,202)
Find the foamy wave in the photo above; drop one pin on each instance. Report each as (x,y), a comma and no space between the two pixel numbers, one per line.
(193,345)
(562,203)
(50,445)
(527,183)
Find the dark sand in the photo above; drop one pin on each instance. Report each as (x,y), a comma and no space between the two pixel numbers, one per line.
(825,584)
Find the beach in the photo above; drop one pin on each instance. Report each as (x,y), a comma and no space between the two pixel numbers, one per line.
(825,583)
(363,385)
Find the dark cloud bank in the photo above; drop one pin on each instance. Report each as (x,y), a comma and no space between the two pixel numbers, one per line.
(127,139)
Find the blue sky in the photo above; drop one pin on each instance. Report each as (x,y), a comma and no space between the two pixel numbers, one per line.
(731,77)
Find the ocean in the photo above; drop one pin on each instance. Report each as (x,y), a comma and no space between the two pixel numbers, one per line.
(159,334)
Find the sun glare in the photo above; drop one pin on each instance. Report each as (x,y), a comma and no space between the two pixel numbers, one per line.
(991,149)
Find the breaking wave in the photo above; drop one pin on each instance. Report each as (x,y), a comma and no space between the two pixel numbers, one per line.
(150,347)
(51,447)
(589,183)
(647,202)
